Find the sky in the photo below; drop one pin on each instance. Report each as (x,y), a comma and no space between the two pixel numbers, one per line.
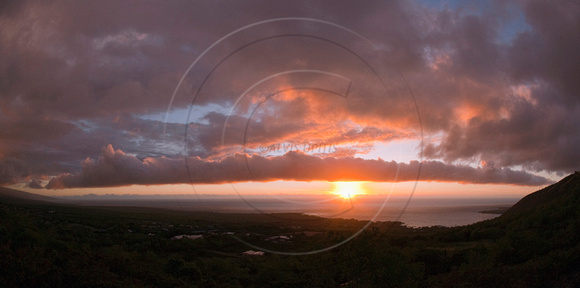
(117,96)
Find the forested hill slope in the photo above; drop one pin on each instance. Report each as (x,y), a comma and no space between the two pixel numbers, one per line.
(536,243)
(561,195)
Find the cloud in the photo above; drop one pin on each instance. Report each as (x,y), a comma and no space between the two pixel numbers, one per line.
(35,184)
(494,82)
(519,105)
(508,101)
(12,169)
(115,168)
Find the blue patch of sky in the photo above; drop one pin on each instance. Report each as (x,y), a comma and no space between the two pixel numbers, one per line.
(511,26)
(548,175)
(515,25)
(180,115)
(402,151)
(85,125)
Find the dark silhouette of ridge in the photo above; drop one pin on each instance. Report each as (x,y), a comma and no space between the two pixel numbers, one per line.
(565,192)
(536,243)
(7,193)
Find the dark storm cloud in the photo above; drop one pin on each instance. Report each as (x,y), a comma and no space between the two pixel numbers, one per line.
(61,146)
(525,101)
(12,169)
(496,83)
(115,168)
(91,59)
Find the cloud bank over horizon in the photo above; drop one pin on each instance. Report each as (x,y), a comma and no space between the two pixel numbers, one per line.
(116,168)
(492,87)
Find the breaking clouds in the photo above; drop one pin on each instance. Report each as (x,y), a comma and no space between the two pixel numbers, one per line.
(496,84)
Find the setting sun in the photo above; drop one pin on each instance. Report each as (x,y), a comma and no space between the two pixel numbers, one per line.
(348,190)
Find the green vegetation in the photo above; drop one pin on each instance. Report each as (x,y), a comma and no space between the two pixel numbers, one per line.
(534,244)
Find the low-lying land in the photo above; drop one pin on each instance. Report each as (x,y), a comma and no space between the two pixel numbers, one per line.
(50,244)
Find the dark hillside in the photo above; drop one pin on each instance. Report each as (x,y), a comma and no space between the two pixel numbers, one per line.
(7,193)
(565,191)
(536,243)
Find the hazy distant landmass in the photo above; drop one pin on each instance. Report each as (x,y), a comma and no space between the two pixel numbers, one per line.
(498,210)
(421,212)
(536,243)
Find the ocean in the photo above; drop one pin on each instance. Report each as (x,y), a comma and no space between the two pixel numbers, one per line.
(416,212)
